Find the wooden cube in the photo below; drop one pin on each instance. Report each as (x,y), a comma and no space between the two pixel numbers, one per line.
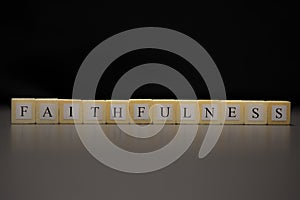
(188,112)
(164,111)
(211,111)
(46,111)
(279,112)
(70,111)
(256,112)
(234,112)
(94,111)
(140,112)
(117,112)
(22,110)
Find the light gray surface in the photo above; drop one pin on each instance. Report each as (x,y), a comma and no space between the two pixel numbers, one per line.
(248,162)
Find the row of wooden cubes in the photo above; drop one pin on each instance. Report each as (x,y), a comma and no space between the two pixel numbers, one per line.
(143,111)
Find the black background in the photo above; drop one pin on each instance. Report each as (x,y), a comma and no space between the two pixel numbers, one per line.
(44,44)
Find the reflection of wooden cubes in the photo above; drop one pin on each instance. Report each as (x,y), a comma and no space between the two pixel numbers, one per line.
(164,111)
(234,112)
(117,112)
(46,111)
(256,112)
(94,111)
(211,111)
(22,111)
(70,111)
(279,112)
(140,112)
(188,112)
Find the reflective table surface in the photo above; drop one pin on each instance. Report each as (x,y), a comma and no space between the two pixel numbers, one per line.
(247,162)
